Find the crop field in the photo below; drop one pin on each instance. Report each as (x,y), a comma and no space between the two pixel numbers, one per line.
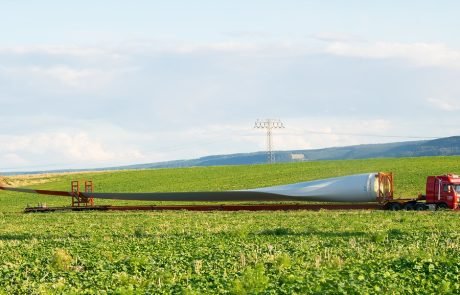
(301,252)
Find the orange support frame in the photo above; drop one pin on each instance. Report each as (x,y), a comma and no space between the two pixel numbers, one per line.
(78,199)
(75,189)
(89,188)
(385,187)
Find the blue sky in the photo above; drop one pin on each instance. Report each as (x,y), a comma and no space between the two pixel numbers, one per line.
(57,22)
(100,83)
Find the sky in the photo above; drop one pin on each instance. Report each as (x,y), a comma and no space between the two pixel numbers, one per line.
(87,84)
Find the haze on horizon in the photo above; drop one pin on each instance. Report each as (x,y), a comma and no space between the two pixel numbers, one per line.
(94,84)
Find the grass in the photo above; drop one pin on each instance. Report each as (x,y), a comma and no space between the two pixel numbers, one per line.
(338,252)
(410,175)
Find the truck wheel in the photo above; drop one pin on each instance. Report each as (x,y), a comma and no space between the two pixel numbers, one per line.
(409,207)
(420,207)
(441,206)
(394,206)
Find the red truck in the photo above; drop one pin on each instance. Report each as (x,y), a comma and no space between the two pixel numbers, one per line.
(442,192)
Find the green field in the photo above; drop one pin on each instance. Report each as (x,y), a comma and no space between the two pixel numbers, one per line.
(325,252)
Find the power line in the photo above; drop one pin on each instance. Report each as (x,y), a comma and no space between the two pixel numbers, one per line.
(269,125)
(276,124)
(368,135)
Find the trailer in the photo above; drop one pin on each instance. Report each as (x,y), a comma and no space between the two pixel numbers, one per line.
(362,191)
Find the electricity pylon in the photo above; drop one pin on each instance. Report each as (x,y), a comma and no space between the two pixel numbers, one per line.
(269,125)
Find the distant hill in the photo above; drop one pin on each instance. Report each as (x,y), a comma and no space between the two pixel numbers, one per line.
(438,147)
(448,146)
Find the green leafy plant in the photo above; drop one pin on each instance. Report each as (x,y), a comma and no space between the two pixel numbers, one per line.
(298,252)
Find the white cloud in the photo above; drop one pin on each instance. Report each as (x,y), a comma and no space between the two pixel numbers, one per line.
(82,52)
(334,37)
(64,68)
(12,159)
(76,150)
(251,47)
(64,77)
(342,44)
(448,105)
(124,52)
(71,77)
(421,54)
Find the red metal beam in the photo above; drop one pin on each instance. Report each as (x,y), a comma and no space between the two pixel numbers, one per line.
(256,207)
(232,207)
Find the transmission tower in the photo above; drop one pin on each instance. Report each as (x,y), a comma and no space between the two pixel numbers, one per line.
(269,125)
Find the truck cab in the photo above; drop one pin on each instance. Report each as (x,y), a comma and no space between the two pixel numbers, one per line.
(443,191)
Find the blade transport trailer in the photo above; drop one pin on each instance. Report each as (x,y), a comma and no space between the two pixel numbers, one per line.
(362,191)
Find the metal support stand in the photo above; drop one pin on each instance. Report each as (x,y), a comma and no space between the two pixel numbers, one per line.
(75,189)
(89,188)
(78,199)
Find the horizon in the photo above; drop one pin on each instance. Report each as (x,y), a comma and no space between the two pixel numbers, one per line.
(133,166)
